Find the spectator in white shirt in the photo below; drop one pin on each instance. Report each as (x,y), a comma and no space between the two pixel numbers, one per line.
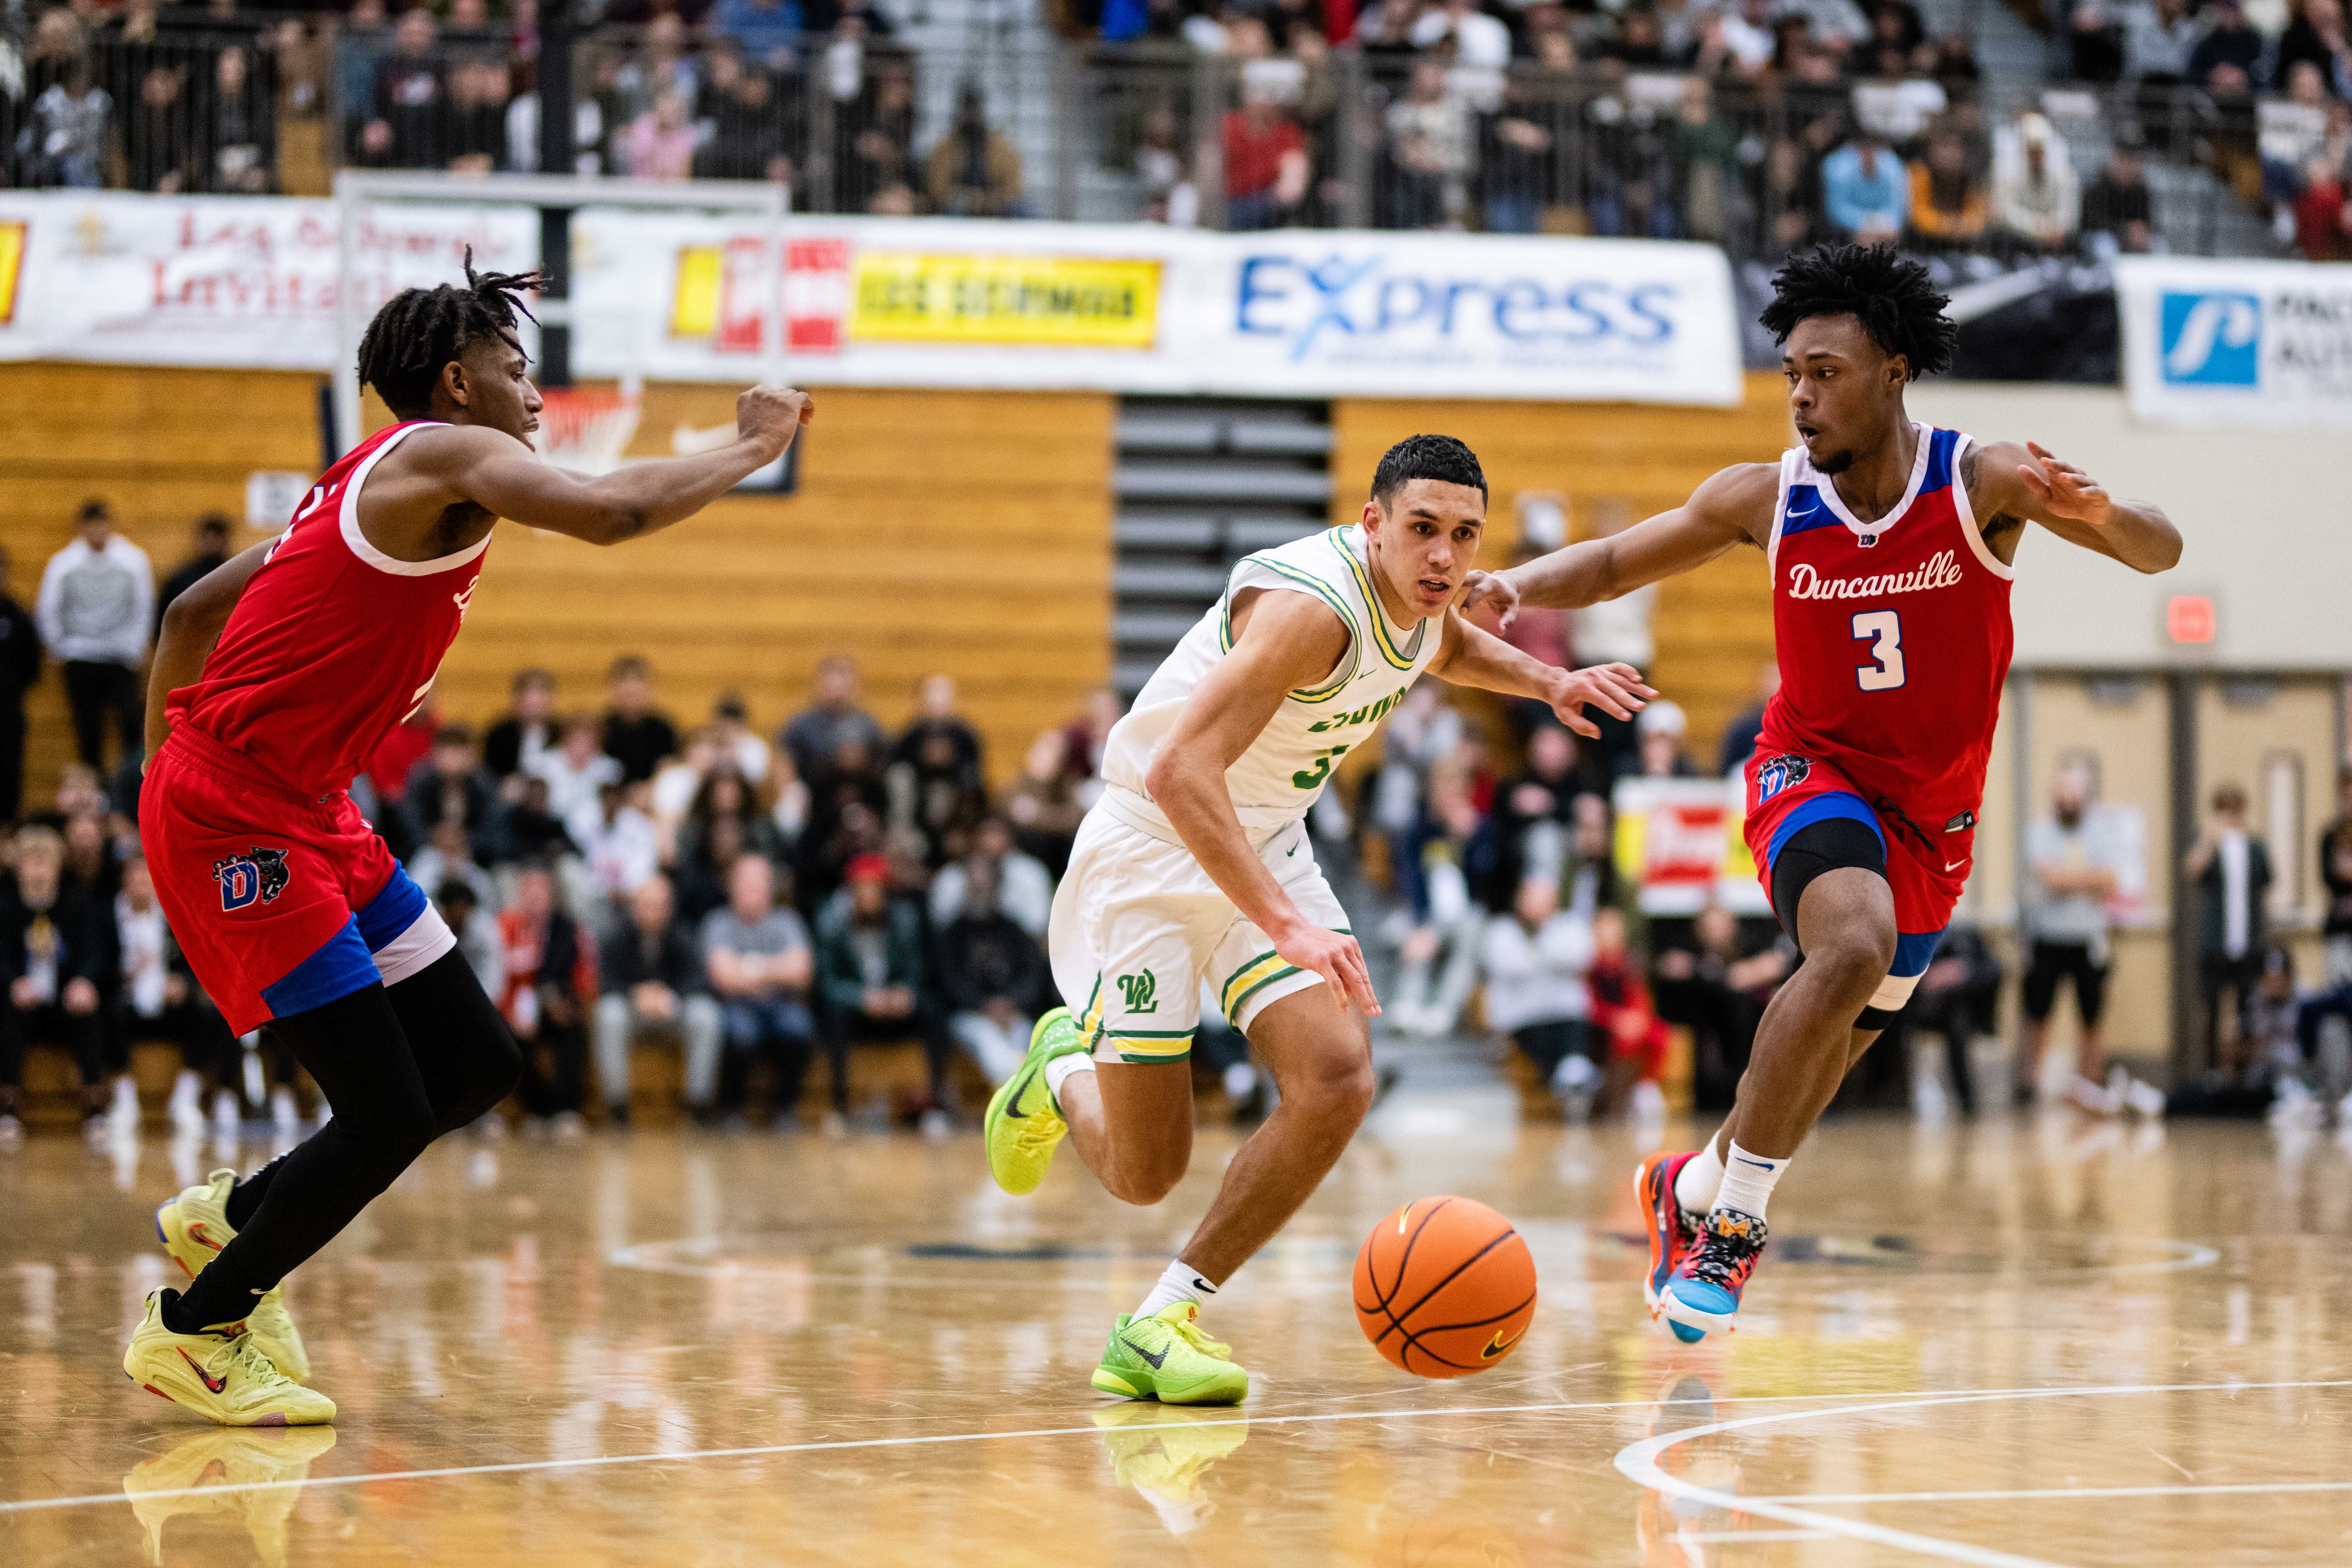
(1535,960)
(97,603)
(1024,888)
(2035,195)
(577,769)
(618,843)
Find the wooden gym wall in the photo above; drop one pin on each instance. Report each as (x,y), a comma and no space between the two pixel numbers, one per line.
(1713,626)
(963,532)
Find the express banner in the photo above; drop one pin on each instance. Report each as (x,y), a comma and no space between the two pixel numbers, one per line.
(2223,343)
(676,295)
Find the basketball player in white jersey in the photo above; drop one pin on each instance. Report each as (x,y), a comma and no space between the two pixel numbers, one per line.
(1196,864)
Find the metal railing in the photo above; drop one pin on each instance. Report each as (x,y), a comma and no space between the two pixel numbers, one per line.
(1079,131)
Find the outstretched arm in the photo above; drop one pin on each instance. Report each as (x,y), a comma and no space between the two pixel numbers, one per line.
(501,475)
(1470,657)
(1288,640)
(1734,506)
(192,624)
(2009,486)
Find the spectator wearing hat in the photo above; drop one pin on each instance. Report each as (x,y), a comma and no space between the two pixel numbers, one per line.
(652,982)
(871,982)
(1659,752)
(2036,198)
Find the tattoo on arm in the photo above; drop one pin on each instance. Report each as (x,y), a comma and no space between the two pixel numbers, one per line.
(2000,522)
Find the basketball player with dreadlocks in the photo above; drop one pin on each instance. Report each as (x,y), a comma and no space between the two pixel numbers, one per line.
(274,678)
(1891,546)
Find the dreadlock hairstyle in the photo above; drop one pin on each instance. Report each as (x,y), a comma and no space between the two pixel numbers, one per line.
(1890,295)
(421,330)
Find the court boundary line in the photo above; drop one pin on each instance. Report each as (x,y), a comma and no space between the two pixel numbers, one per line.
(1908,1400)
(1638,1463)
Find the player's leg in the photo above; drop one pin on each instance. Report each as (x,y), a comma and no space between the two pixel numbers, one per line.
(1829,887)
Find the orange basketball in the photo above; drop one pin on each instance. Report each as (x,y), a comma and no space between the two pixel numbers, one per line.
(1444,1287)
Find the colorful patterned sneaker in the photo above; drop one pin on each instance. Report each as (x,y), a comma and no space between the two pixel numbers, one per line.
(1024,1122)
(1167,1357)
(220,1372)
(194,1228)
(246,1475)
(1703,1291)
(1672,1228)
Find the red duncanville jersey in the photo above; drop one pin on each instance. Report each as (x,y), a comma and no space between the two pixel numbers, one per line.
(1894,637)
(333,641)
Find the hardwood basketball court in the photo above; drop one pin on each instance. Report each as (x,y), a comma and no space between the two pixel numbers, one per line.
(2025,1343)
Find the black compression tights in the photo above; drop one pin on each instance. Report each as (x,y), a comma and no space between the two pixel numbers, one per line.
(400,1066)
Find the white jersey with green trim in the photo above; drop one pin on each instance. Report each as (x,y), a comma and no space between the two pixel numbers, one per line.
(1287,767)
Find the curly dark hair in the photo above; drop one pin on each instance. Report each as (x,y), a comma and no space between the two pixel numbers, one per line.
(1890,294)
(1440,458)
(421,330)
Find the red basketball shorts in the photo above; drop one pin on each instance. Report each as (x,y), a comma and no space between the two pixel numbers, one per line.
(282,903)
(1788,791)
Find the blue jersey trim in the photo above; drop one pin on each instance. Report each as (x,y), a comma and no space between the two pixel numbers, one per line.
(391,911)
(1823,807)
(1913,953)
(339,968)
(1804,511)
(1939,461)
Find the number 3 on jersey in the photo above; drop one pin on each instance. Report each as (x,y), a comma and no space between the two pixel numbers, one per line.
(1884,630)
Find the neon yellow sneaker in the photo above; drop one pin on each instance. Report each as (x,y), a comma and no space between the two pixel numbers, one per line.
(195,1227)
(221,1372)
(1167,1357)
(1024,1122)
(247,1475)
(1166,1452)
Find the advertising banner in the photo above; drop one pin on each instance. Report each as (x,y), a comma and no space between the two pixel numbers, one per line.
(1138,308)
(247,282)
(678,295)
(2223,343)
(1680,842)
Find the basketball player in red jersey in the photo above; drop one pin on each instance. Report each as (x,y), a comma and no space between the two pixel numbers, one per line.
(274,678)
(1891,546)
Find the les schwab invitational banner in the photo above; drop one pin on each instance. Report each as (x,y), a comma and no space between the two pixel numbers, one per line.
(680,296)
(2216,342)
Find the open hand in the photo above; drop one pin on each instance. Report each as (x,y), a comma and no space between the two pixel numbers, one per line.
(2068,491)
(1491,593)
(1336,957)
(1615,689)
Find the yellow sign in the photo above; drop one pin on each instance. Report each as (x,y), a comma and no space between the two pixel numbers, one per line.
(1040,302)
(694,302)
(12,266)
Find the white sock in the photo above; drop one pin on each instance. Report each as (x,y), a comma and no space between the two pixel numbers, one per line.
(1178,1283)
(1058,1071)
(1747,1182)
(1695,1182)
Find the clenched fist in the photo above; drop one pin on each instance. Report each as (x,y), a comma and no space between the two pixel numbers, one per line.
(772,415)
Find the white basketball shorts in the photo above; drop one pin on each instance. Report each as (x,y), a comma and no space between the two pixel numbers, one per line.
(1138,925)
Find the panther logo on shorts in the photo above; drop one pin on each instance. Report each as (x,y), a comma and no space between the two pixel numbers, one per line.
(1778,774)
(257,873)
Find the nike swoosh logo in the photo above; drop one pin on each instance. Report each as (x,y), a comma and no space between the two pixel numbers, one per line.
(1013,1101)
(209,1381)
(1154,1360)
(1292,850)
(1954,865)
(1759,1164)
(1497,1345)
(197,1234)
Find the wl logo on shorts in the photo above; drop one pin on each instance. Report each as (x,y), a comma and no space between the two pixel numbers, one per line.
(257,873)
(1136,989)
(1777,775)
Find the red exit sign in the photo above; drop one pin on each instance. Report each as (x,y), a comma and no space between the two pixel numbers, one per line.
(2189,618)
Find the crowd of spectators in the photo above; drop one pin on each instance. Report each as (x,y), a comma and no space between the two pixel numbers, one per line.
(1760,124)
